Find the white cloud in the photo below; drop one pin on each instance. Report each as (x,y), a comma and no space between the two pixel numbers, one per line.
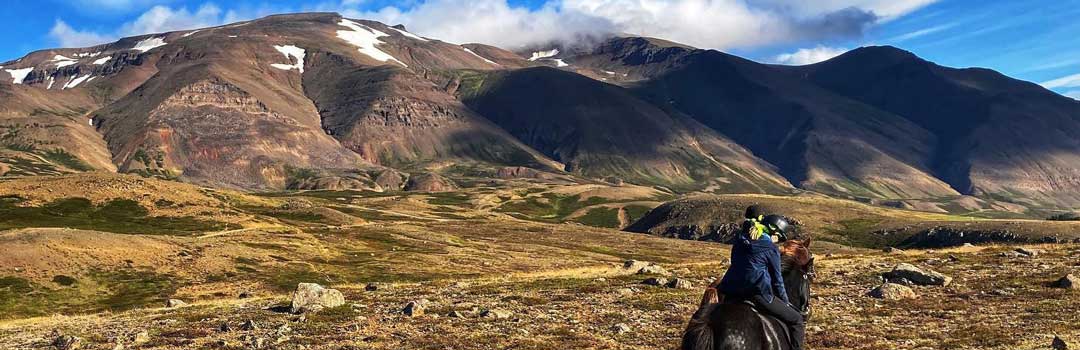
(66,36)
(157,19)
(886,9)
(114,7)
(1063,82)
(163,19)
(1075,94)
(720,24)
(921,32)
(492,22)
(809,55)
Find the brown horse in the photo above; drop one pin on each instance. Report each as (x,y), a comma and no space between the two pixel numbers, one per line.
(738,326)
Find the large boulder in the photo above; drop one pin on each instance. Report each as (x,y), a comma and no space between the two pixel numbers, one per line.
(413,309)
(909,272)
(171,303)
(1067,282)
(892,291)
(1029,252)
(1058,344)
(653,270)
(67,342)
(497,314)
(310,297)
(655,281)
(680,283)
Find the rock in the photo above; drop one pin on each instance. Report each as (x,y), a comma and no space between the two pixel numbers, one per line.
(140,338)
(620,328)
(310,297)
(624,291)
(456,314)
(682,272)
(1029,252)
(67,342)
(249,325)
(244,295)
(1059,344)
(171,303)
(967,245)
(497,314)
(892,250)
(653,270)
(224,327)
(655,281)
(917,276)
(413,309)
(680,283)
(634,265)
(1010,254)
(892,291)
(371,287)
(1068,282)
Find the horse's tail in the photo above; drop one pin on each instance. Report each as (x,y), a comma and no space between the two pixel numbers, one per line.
(699,333)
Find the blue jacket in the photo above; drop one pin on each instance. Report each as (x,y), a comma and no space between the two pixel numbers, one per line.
(755,269)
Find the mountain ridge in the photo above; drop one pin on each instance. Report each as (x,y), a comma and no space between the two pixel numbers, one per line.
(252,104)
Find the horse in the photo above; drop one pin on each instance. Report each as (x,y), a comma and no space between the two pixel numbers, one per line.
(738,326)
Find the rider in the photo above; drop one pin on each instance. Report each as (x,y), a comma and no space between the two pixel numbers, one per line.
(755,270)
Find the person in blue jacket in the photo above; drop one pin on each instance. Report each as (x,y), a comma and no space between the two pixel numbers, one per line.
(755,270)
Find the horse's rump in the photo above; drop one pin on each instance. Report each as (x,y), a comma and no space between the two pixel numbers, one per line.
(735,326)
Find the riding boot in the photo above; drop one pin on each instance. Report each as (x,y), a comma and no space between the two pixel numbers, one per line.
(798,336)
(782,310)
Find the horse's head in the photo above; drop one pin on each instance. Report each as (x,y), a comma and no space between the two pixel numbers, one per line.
(798,266)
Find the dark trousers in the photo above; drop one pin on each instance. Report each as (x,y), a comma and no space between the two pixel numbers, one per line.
(786,313)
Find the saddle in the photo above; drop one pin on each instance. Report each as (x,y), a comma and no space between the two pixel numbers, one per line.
(774,329)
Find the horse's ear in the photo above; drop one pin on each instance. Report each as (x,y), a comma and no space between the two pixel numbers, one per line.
(806,241)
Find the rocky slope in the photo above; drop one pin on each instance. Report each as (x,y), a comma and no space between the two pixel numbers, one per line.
(998,136)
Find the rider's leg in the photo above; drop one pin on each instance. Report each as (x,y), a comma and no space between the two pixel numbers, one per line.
(785,313)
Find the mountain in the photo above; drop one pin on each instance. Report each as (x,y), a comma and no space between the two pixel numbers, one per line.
(817,139)
(316,100)
(247,105)
(998,137)
(600,130)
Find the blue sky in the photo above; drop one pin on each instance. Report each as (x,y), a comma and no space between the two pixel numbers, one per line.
(1030,40)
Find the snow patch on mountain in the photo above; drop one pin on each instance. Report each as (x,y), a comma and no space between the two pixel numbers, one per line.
(87,54)
(76,81)
(50,81)
(365,39)
(543,54)
(481,57)
(17,75)
(102,60)
(149,44)
(63,61)
(190,33)
(559,62)
(291,52)
(409,35)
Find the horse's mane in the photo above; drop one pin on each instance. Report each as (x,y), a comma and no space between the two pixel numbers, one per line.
(795,253)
